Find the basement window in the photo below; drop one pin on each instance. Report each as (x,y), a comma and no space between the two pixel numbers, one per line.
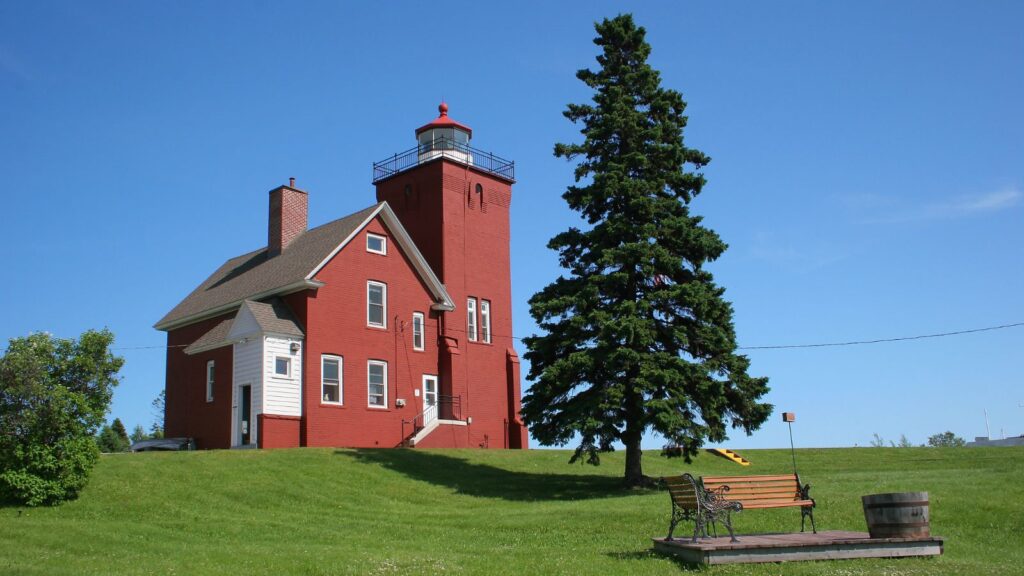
(376,244)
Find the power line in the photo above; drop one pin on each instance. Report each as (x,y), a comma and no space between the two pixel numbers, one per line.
(771,347)
(880,340)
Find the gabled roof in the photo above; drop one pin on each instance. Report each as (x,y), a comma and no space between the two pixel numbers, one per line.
(254,276)
(273,317)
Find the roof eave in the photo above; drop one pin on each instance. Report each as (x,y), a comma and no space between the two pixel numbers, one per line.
(305,284)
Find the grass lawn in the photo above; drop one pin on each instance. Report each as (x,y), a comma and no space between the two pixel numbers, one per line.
(324,511)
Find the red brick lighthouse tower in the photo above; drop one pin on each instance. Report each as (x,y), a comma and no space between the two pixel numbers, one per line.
(454,201)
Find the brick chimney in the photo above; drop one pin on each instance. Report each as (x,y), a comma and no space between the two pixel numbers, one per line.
(288,217)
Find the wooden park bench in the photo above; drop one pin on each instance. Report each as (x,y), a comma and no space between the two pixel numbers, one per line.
(712,498)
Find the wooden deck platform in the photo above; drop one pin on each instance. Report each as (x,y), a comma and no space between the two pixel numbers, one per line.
(830,545)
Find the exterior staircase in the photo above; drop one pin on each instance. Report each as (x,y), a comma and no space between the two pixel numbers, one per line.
(730,455)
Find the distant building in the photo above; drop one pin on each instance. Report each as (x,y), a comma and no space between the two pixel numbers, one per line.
(985,441)
(391,326)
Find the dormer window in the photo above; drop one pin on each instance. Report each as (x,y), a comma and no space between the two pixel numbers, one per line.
(376,244)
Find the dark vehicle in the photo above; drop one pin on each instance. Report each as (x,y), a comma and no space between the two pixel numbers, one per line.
(164,444)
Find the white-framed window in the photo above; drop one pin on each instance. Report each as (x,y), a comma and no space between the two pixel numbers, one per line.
(376,304)
(377,384)
(376,244)
(331,382)
(417,330)
(485,320)
(471,319)
(282,366)
(210,372)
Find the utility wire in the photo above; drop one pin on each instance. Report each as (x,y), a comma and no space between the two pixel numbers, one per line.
(880,340)
(772,347)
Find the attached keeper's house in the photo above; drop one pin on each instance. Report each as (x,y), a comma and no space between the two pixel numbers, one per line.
(391,326)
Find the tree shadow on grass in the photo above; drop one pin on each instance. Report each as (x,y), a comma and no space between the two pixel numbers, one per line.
(465,477)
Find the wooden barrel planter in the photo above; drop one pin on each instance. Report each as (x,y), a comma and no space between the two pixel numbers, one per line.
(897,515)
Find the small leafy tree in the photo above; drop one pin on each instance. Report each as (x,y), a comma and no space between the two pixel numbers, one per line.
(54,394)
(946,440)
(139,434)
(113,438)
(638,335)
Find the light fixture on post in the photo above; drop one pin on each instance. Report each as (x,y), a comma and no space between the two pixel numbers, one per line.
(789,418)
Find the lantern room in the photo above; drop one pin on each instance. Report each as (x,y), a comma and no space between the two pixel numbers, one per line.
(444,137)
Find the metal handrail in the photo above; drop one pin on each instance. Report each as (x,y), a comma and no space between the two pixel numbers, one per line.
(444,148)
(446,408)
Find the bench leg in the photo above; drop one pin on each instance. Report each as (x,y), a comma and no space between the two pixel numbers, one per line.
(804,514)
(728,524)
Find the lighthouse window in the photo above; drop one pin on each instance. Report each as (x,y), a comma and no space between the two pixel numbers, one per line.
(471,319)
(376,244)
(485,321)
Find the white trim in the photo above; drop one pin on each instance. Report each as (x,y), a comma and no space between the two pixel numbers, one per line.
(422,332)
(485,321)
(383,244)
(401,236)
(384,304)
(305,284)
(385,366)
(341,379)
(471,325)
(211,373)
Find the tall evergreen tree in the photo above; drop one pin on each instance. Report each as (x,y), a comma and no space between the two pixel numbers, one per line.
(638,335)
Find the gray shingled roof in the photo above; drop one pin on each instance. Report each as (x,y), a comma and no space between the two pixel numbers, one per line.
(253,274)
(215,338)
(274,316)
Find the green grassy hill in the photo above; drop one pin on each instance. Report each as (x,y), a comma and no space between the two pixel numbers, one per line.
(322,511)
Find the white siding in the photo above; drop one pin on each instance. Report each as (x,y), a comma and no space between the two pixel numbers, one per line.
(281,395)
(247,369)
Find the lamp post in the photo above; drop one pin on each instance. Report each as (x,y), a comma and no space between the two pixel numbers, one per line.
(789,418)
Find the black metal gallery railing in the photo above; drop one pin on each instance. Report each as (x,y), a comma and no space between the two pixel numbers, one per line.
(444,148)
(445,408)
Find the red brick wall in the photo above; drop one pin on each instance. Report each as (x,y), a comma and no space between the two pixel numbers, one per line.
(465,237)
(187,413)
(337,325)
(288,217)
(278,431)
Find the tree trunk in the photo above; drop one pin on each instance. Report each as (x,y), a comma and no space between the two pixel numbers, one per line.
(634,468)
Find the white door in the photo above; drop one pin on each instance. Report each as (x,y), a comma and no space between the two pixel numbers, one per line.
(429,398)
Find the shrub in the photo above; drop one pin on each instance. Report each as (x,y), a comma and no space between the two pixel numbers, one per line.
(946,439)
(54,394)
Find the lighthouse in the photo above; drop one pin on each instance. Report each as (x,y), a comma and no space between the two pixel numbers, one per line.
(454,200)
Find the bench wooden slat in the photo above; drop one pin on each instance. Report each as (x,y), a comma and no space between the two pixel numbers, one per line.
(779,504)
(727,479)
(738,495)
(763,485)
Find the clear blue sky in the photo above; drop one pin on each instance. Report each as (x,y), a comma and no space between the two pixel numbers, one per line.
(867,172)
